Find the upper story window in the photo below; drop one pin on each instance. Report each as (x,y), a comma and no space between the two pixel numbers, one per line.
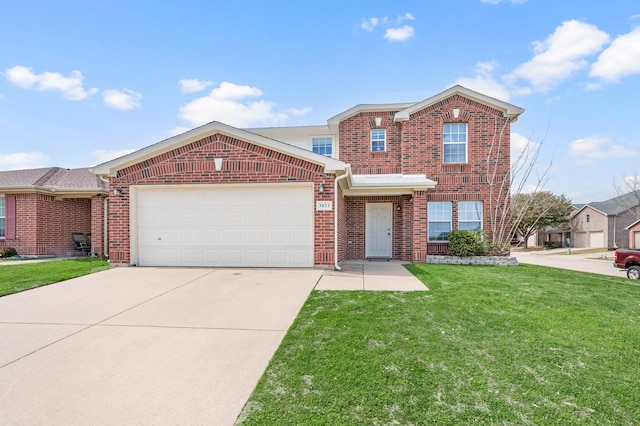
(2,217)
(455,143)
(322,146)
(470,215)
(439,216)
(378,140)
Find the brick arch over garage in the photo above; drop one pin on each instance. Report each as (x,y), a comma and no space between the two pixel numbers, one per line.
(243,163)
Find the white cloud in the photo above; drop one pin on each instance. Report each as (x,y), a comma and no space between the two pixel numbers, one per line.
(620,59)
(523,150)
(369,24)
(561,55)
(70,87)
(103,156)
(484,83)
(394,31)
(399,34)
(228,104)
(587,151)
(22,160)
(124,99)
(194,85)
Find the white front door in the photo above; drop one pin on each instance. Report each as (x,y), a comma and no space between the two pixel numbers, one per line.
(378,229)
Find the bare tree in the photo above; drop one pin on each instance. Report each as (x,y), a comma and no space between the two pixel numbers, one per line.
(628,192)
(523,173)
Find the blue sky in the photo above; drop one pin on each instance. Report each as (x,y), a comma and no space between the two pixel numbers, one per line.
(82,82)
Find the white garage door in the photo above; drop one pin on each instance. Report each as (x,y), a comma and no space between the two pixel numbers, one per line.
(223,225)
(596,239)
(636,240)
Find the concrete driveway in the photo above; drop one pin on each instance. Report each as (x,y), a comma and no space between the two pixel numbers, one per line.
(144,345)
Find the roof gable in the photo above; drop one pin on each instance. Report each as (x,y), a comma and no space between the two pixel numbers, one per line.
(111,167)
(509,110)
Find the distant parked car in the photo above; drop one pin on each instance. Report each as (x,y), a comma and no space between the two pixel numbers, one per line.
(516,242)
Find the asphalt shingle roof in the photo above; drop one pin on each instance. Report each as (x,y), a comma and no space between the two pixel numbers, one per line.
(52,178)
(618,204)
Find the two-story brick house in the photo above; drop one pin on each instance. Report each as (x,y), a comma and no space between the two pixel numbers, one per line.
(383,181)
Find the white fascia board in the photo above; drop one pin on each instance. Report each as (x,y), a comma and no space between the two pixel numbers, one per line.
(508,109)
(51,190)
(111,167)
(335,120)
(393,184)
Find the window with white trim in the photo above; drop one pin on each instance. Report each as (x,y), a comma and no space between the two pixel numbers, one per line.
(455,143)
(378,140)
(322,146)
(470,215)
(3,217)
(439,225)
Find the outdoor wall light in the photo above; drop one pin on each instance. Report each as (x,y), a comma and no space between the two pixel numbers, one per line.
(398,207)
(117,191)
(217,162)
(321,189)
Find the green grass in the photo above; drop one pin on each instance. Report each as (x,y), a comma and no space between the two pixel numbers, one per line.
(19,277)
(487,345)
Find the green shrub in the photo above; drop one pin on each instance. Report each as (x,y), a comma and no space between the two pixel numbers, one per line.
(8,252)
(551,244)
(463,243)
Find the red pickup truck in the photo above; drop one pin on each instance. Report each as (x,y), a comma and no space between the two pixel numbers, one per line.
(628,259)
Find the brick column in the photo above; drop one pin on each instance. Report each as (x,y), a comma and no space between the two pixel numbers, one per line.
(419,231)
(97,225)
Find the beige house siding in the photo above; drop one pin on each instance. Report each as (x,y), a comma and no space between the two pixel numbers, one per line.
(597,222)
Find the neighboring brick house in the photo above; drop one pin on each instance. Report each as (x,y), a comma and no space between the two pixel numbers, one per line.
(41,208)
(381,181)
(634,234)
(604,224)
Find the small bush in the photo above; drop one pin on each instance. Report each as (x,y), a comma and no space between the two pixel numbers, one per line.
(463,243)
(8,252)
(551,244)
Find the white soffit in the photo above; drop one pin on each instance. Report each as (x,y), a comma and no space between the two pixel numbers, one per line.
(387,184)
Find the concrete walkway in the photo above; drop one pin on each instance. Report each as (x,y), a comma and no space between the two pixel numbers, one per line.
(370,275)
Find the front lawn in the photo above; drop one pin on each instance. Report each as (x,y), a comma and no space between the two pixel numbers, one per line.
(487,345)
(19,277)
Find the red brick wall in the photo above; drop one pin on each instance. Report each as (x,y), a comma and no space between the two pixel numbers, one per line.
(355,144)
(44,224)
(97,225)
(243,163)
(416,147)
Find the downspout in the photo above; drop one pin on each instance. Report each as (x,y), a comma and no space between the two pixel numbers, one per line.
(105,237)
(335,221)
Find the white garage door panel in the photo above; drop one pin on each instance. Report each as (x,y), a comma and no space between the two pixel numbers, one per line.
(596,239)
(260,226)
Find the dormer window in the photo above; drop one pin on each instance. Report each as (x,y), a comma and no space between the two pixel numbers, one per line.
(455,143)
(378,140)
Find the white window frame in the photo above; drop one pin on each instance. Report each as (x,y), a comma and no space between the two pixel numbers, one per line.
(315,138)
(439,212)
(446,141)
(378,140)
(3,217)
(470,212)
